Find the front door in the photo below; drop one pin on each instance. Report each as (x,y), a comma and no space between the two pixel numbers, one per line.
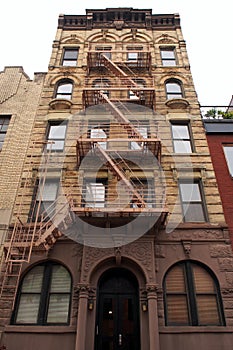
(117,326)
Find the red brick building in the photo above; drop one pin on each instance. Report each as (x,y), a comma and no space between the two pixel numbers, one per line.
(220,139)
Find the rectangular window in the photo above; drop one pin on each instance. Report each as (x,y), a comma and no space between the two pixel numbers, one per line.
(192,201)
(94,192)
(182,142)
(99,130)
(4,123)
(46,195)
(228,151)
(132,56)
(106,50)
(56,136)
(145,188)
(143,130)
(70,57)
(168,57)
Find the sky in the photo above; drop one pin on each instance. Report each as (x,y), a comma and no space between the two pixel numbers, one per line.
(28,28)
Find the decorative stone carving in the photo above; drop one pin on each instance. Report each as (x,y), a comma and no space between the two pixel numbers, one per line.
(134,33)
(220,251)
(93,255)
(118,255)
(104,33)
(165,39)
(229,278)
(226,264)
(197,234)
(118,24)
(143,253)
(187,245)
(151,288)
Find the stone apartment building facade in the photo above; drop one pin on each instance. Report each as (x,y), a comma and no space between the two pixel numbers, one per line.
(118,238)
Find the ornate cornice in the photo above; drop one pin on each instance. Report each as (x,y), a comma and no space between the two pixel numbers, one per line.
(119,18)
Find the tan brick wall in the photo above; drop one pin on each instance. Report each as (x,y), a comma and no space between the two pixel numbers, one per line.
(19,98)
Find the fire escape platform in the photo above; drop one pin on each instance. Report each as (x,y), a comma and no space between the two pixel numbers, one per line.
(146,96)
(87,146)
(142,59)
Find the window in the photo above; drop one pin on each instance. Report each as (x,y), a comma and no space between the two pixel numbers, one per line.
(143,130)
(145,189)
(56,136)
(135,94)
(70,57)
(182,142)
(44,296)
(173,89)
(191,296)
(99,133)
(168,57)
(46,194)
(228,151)
(102,84)
(192,201)
(94,193)
(4,123)
(105,50)
(64,89)
(132,56)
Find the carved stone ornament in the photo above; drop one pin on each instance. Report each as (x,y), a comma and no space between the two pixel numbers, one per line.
(119,24)
(104,33)
(82,288)
(151,288)
(118,255)
(134,33)
(187,246)
(165,39)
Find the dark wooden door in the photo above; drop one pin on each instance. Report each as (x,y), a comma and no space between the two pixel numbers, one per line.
(117,325)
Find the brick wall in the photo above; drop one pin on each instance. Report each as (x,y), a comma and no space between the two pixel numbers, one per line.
(224,179)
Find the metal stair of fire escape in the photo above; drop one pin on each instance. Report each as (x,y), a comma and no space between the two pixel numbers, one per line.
(38,234)
(132,131)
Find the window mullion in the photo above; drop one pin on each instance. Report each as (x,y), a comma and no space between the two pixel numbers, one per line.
(42,315)
(191,295)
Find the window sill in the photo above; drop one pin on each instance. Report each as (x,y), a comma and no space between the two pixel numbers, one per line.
(39,329)
(177,103)
(60,104)
(195,329)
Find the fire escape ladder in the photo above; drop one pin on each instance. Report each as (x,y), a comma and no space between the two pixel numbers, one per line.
(19,243)
(120,175)
(54,224)
(120,117)
(118,72)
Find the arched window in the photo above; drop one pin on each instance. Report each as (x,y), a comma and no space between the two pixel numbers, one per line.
(192,296)
(44,296)
(173,89)
(64,89)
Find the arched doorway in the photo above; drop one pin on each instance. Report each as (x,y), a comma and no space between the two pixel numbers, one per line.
(117,322)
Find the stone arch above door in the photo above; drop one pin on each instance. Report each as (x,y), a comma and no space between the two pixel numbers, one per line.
(138,257)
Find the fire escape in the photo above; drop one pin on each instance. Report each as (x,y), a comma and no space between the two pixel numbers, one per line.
(36,232)
(123,138)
